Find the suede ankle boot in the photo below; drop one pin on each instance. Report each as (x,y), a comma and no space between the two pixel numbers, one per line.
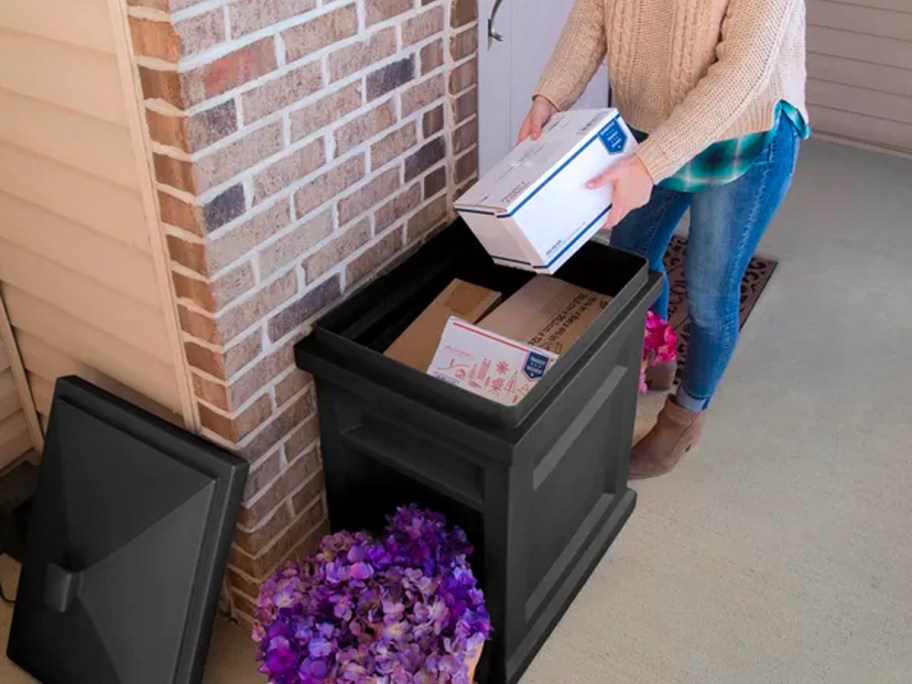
(661,378)
(676,431)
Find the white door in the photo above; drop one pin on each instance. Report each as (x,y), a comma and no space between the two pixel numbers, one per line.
(509,69)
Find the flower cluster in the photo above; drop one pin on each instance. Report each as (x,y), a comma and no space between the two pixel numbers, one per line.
(659,345)
(402,610)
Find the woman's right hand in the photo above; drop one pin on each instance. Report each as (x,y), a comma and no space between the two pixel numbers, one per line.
(539,115)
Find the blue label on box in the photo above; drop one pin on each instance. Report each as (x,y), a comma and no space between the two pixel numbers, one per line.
(536,364)
(613,137)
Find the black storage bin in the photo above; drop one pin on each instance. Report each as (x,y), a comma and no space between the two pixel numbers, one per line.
(540,487)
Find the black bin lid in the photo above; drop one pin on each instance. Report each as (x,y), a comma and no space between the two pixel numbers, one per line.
(127,545)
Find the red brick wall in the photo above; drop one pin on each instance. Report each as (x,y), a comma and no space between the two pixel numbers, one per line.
(299,146)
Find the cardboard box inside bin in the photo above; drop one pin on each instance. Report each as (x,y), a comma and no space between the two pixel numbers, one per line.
(547,313)
(416,346)
(533,210)
(513,346)
(488,364)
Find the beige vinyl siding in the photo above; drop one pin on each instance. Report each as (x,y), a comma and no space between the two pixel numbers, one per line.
(860,71)
(15,440)
(77,268)
(83,23)
(898,5)
(66,75)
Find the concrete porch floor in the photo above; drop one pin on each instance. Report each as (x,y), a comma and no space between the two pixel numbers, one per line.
(781,550)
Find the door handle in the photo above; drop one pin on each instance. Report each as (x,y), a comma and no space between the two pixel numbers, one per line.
(493,35)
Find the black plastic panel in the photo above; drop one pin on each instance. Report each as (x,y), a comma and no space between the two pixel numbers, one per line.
(127,546)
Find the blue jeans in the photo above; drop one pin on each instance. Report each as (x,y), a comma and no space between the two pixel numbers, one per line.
(726,224)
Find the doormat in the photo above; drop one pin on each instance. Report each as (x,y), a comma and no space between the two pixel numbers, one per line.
(758,274)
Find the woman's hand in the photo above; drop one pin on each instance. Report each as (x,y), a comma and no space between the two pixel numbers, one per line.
(539,115)
(632,188)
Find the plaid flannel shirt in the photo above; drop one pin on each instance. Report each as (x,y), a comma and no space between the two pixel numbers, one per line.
(728,160)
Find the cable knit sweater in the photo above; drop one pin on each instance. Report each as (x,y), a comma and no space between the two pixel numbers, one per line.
(688,72)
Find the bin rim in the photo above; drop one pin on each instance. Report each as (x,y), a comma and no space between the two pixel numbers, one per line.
(324,348)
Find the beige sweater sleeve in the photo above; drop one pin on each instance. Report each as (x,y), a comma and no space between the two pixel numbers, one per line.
(579,53)
(751,40)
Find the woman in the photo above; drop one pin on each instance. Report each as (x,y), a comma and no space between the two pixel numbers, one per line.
(715,92)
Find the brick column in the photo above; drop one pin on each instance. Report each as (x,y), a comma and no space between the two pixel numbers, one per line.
(299,147)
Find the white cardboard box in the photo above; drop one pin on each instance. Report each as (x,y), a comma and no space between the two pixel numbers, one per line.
(533,209)
(488,364)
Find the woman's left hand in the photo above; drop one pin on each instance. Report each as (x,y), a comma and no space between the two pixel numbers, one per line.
(632,188)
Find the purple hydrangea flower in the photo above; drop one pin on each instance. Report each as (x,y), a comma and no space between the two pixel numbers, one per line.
(404,609)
